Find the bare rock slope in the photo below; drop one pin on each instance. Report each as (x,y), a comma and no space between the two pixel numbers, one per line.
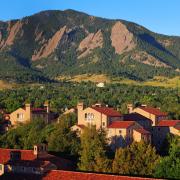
(122,38)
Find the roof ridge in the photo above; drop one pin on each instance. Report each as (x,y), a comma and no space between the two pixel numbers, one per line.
(16,149)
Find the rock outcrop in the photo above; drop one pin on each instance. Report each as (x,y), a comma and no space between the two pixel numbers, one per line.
(92,41)
(122,38)
(13,31)
(145,58)
(166,42)
(49,47)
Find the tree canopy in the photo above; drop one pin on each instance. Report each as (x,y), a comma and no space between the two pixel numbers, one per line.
(93,151)
(136,159)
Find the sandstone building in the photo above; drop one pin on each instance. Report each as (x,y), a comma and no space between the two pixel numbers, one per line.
(141,123)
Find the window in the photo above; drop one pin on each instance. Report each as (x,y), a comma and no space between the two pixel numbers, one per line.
(20,116)
(120,131)
(103,124)
(92,116)
(85,116)
(89,116)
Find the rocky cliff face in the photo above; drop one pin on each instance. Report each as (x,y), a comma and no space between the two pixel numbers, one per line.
(91,42)
(48,48)
(70,42)
(122,39)
(13,30)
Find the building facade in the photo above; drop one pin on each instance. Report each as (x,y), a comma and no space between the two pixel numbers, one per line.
(120,132)
(28,113)
(141,123)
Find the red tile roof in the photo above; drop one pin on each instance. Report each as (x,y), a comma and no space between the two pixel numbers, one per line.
(121,124)
(107,111)
(169,123)
(69,175)
(25,155)
(38,110)
(28,155)
(142,131)
(154,111)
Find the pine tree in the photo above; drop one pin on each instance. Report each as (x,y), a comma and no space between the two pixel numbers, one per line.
(93,151)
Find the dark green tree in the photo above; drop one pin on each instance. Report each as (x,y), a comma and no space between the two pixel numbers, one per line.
(169,166)
(93,151)
(136,159)
(62,139)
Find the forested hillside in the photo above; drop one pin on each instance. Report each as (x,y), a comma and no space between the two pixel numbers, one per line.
(54,43)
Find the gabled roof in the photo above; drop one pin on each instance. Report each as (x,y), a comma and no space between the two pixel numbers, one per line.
(121,124)
(169,123)
(142,131)
(107,111)
(154,111)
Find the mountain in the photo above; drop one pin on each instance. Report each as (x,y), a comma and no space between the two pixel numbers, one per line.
(55,43)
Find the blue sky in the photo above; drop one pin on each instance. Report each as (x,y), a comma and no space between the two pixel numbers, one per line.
(157,15)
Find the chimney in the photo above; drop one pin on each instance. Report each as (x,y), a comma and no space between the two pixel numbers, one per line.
(46,105)
(40,149)
(28,110)
(130,108)
(80,106)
